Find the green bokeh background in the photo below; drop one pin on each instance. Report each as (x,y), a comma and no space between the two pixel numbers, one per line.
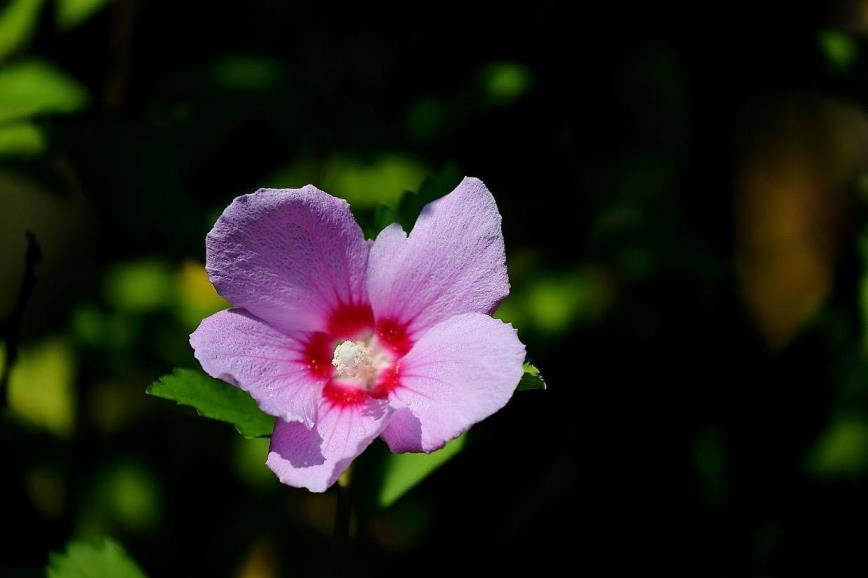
(684,207)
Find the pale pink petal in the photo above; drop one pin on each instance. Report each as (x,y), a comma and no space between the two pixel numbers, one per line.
(289,256)
(452,262)
(272,366)
(315,458)
(458,373)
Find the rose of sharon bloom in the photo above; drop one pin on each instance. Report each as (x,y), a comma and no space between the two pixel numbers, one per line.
(345,339)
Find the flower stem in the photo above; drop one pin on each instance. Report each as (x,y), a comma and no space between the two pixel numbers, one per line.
(340,550)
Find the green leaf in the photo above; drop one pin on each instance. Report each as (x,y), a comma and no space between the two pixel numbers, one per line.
(17,23)
(531,378)
(431,189)
(403,471)
(214,399)
(31,88)
(72,13)
(105,559)
(20,140)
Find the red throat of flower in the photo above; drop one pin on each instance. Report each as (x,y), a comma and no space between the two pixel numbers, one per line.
(357,357)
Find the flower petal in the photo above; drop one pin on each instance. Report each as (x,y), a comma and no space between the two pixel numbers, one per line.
(314,458)
(240,349)
(453,261)
(458,373)
(289,256)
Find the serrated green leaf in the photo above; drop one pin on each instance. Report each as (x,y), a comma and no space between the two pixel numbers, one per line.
(403,471)
(72,13)
(17,23)
(32,88)
(214,399)
(531,378)
(105,559)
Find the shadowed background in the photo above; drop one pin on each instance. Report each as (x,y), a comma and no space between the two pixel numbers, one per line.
(684,207)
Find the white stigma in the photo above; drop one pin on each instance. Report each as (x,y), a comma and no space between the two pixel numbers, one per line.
(351,359)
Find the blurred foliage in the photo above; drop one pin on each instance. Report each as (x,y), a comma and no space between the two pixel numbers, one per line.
(41,389)
(685,221)
(506,82)
(21,139)
(72,13)
(140,287)
(552,303)
(102,559)
(793,185)
(364,184)
(124,496)
(33,88)
(403,471)
(839,48)
(841,450)
(712,465)
(246,73)
(17,22)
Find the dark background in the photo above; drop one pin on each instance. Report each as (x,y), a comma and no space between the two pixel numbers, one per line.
(684,213)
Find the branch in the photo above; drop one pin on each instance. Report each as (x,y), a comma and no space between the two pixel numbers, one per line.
(11,329)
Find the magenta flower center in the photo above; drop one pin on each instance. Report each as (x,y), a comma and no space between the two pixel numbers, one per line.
(358,358)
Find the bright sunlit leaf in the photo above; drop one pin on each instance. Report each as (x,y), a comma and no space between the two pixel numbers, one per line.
(17,22)
(214,399)
(531,378)
(140,286)
(403,471)
(197,296)
(32,88)
(21,139)
(250,455)
(552,303)
(41,387)
(365,184)
(103,559)
(132,496)
(72,13)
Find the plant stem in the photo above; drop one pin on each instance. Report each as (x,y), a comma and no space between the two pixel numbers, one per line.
(11,329)
(339,557)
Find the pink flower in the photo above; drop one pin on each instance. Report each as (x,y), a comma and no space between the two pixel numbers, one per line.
(345,339)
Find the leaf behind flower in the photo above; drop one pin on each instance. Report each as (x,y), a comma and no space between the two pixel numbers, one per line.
(532,379)
(214,399)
